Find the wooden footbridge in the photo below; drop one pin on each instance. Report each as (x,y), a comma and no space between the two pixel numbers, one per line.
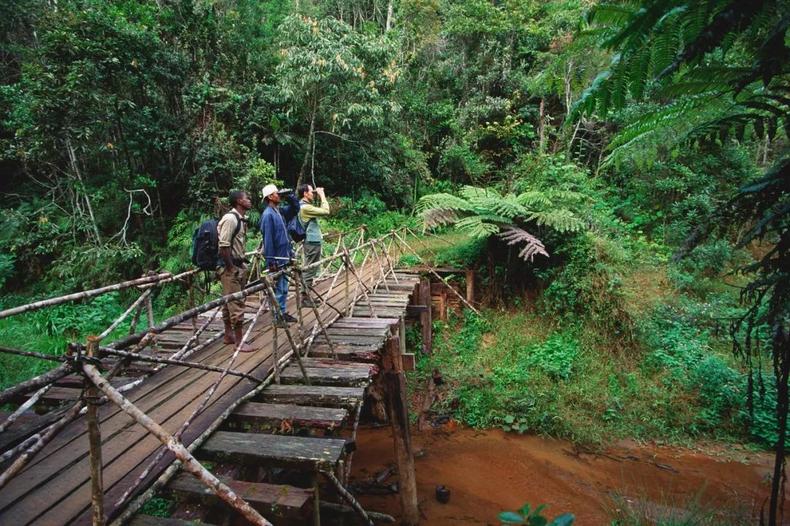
(263,437)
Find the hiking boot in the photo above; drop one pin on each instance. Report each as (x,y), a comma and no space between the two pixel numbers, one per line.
(238,336)
(289,319)
(279,323)
(228,338)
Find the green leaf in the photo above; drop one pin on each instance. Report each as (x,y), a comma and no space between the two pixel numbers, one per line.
(566,519)
(511,517)
(509,419)
(537,520)
(525,509)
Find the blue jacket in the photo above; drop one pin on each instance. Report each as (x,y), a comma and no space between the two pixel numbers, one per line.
(276,242)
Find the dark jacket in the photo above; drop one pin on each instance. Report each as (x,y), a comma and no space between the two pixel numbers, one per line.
(276,242)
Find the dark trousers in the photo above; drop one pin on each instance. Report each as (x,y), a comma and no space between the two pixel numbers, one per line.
(312,254)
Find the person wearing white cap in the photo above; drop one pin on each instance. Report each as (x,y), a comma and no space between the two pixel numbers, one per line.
(276,247)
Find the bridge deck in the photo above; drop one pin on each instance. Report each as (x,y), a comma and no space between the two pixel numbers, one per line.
(55,487)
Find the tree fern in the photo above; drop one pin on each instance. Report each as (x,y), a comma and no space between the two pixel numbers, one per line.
(476,227)
(532,245)
(482,212)
(561,220)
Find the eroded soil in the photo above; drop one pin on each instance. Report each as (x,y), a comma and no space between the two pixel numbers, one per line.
(491,471)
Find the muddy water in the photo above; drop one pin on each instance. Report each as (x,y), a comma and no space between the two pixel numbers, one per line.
(491,471)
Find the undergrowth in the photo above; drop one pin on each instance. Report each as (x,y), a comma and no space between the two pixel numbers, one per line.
(526,372)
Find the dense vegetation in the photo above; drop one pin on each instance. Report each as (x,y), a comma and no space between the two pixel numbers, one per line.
(619,173)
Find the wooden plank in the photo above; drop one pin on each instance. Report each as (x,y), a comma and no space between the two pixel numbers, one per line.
(340,334)
(148,520)
(63,480)
(273,450)
(261,496)
(298,415)
(375,341)
(345,348)
(314,395)
(27,424)
(329,362)
(347,353)
(342,376)
(365,322)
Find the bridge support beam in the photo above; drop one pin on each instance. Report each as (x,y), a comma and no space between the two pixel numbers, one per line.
(94,440)
(397,409)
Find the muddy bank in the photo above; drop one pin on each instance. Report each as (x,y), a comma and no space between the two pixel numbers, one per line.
(491,471)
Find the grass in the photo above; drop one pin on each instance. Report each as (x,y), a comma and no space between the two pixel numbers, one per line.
(51,329)
(523,371)
(688,512)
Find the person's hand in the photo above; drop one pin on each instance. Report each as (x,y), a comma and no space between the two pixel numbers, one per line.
(272,267)
(320,191)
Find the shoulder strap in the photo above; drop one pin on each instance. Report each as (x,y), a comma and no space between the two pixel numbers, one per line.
(238,226)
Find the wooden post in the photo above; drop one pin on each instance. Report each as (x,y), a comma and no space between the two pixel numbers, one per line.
(276,356)
(346,292)
(94,440)
(297,279)
(426,319)
(402,335)
(443,303)
(316,501)
(395,383)
(188,462)
(470,286)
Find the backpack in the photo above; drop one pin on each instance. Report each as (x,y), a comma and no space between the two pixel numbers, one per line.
(205,245)
(296,229)
(293,225)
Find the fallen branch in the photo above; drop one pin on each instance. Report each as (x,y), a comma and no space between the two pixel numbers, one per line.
(348,497)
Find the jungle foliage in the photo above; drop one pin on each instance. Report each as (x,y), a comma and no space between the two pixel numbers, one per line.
(617,173)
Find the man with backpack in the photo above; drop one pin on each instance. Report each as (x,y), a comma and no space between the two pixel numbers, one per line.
(232,234)
(276,248)
(308,216)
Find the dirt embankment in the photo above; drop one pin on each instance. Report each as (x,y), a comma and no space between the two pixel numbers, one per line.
(491,471)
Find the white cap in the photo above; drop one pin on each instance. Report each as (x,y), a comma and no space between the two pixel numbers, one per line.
(268,190)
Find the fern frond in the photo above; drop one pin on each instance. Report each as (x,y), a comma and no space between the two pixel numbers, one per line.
(442,201)
(476,227)
(534,199)
(437,217)
(533,246)
(562,220)
(509,208)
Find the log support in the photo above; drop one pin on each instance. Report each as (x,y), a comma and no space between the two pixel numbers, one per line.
(426,320)
(397,409)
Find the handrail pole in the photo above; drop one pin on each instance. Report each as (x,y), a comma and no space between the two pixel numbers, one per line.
(94,439)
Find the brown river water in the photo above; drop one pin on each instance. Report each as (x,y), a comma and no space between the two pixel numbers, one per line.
(491,471)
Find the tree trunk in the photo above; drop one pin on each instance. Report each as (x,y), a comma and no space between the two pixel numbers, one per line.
(310,140)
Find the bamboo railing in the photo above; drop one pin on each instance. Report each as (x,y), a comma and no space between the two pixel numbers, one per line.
(340,268)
